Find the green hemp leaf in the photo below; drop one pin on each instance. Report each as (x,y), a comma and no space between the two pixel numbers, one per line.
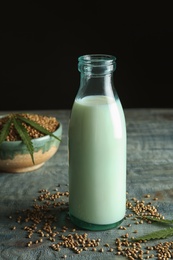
(24,136)
(163,221)
(5,130)
(163,233)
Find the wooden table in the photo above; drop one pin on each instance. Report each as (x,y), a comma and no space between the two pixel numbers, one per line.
(149,172)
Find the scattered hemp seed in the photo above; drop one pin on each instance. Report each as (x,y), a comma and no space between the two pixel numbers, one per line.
(40,224)
(147,196)
(13,228)
(155,198)
(135,231)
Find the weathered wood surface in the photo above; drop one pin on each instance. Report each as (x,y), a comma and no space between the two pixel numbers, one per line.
(149,171)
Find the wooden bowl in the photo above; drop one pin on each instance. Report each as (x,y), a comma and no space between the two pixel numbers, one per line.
(15,158)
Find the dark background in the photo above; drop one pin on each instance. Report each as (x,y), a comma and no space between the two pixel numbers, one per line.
(40,43)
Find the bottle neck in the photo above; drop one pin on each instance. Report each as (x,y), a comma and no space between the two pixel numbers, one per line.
(96,75)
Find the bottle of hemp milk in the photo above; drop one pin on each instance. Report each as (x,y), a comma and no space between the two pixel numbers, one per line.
(97,147)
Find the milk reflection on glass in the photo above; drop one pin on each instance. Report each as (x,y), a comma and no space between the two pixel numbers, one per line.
(97,161)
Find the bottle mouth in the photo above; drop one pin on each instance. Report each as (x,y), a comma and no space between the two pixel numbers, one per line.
(97,59)
(97,63)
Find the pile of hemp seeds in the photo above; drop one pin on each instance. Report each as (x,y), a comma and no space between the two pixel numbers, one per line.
(48,122)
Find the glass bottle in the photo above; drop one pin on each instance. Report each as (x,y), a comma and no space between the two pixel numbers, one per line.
(97,147)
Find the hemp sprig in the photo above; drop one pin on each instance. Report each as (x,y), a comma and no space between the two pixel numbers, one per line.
(160,234)
(17,121)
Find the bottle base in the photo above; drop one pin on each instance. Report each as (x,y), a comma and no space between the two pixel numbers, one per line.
(94,227)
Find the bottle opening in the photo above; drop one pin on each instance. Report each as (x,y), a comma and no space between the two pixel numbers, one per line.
(97,63)
(97,59)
